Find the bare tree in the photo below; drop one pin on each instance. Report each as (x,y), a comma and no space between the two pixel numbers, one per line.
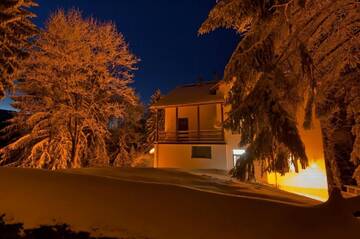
(75,80)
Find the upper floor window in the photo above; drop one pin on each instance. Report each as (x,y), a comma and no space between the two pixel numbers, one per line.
(183,124)
(213,91)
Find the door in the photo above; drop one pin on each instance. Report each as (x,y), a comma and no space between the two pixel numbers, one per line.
(238,154)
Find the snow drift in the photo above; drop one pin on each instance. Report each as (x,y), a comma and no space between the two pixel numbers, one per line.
(112,203)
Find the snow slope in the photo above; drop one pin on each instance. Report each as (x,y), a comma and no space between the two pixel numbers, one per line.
(199,180)
(167,204)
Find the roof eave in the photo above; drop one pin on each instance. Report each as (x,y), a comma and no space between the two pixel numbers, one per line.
(187,104)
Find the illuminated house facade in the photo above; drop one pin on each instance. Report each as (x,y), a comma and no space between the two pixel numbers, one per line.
(193,137)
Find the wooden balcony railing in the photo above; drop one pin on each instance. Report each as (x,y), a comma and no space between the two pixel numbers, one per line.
(352,190)
(202,136)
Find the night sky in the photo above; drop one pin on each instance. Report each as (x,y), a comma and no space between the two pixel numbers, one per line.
(163,34)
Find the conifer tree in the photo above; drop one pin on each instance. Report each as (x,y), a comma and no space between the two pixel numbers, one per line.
(16,29)
(76,79)
(153,117)
(293,52)
(126,140)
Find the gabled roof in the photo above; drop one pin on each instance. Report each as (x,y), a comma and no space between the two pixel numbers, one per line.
(194,94)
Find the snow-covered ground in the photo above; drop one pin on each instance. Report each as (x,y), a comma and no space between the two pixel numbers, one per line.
(169,204)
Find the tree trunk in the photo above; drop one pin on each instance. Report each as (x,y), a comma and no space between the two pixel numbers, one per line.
(357,175)
(337,142)
(75,161)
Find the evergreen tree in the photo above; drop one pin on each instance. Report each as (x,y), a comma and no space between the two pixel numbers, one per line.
(293,52)
(16,29)
(74,82)
(153,116)
(126,140)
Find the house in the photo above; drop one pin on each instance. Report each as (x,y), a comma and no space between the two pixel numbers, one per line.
(193,137)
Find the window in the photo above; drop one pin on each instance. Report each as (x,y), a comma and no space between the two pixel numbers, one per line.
(201,152)
(213,91)
(183,124)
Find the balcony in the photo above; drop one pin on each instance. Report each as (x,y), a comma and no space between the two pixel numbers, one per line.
(191,137)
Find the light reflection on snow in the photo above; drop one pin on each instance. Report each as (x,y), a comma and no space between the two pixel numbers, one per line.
(311,182)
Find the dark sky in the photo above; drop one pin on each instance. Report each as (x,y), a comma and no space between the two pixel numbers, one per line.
(163,34)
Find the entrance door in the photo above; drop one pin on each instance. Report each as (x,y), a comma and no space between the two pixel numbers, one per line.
(238,154)
(236,158)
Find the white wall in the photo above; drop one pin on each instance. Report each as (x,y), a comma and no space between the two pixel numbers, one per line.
(189,112)
(170,122)
(179,156)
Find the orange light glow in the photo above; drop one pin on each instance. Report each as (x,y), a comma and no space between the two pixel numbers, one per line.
(311,182)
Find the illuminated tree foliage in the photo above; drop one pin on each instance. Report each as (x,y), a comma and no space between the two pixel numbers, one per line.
(15,30)
(76,79)
(294,53)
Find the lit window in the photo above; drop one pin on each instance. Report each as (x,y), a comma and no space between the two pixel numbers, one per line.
(239,151)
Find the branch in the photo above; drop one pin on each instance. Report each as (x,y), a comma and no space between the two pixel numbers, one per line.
(286,5)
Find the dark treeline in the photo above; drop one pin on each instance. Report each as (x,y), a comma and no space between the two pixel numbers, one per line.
(16,231)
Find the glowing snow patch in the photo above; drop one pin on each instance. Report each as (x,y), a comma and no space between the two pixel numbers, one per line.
(310,182)
(313,166)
